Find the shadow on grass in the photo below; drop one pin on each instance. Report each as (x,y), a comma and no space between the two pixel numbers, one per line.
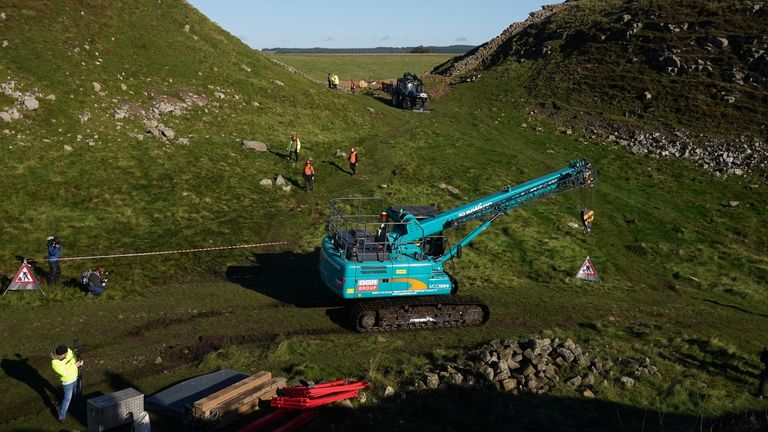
(20,370)
(734,307)
(334,164)
(288,277)
(475,409)
(715,361)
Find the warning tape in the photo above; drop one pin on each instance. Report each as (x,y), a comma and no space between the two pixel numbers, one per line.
(178,251)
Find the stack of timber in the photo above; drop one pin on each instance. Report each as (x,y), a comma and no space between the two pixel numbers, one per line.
(241,398)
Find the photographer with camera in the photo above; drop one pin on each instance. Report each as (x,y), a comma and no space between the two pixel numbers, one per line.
(96,281)
(54,253)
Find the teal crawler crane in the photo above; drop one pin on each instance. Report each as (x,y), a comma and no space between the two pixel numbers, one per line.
(391,261)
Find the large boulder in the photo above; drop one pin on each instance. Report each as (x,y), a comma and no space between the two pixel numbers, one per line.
(255,145)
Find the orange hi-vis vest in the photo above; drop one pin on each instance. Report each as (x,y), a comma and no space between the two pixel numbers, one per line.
(309,169)
(353,157)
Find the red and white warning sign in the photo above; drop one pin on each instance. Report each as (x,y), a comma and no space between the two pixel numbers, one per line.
(24,280)
(24,276)
(588,271)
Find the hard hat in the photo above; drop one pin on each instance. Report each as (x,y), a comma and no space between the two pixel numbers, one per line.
(50,238)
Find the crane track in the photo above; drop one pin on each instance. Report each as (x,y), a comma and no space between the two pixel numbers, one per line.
(416,313)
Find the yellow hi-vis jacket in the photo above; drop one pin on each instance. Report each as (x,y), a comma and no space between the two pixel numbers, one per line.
(298,145)
(66,369)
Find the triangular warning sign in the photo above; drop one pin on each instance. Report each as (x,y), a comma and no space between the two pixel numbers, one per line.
(24,280)
(588,271)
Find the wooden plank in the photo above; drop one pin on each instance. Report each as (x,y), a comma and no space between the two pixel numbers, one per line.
(249,407)
(254,395)
(204,405)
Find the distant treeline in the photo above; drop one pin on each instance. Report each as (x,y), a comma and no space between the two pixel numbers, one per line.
(421,49)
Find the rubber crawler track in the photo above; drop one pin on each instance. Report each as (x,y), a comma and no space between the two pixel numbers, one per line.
(415,313)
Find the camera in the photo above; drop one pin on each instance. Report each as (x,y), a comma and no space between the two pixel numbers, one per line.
(54,242)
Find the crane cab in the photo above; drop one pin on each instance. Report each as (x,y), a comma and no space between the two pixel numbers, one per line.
(362,255)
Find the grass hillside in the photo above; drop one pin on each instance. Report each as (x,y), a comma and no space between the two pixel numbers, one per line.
(683,269)
(699,66)
(82,165)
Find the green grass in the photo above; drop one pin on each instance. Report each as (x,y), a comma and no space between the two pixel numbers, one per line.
(266,309)
(369,67)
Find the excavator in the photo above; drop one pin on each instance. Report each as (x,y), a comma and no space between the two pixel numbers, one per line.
(391,262)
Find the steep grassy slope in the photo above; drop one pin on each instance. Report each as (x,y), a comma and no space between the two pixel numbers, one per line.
(697,65)
(82,165)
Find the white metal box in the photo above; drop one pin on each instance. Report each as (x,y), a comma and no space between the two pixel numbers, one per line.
(114,409)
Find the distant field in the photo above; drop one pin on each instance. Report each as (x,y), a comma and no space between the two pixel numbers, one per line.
(370,67)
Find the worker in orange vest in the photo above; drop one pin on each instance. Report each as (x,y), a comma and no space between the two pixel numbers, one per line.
(353,161)
(309,175)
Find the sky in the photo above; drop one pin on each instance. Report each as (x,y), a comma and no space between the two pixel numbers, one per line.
(364,23)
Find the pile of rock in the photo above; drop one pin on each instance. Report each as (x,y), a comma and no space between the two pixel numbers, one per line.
(24,101)
(154,128)
(720,156)
(533,366)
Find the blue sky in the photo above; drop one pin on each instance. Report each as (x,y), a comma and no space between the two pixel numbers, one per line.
(365,23)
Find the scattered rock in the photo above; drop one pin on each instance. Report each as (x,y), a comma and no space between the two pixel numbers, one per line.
(280,181)
(266,182)
(67,148)
(719,42)
(388,391)
(219,95)
(255,145)
(346,403)
(733,203)
(278,82)
(31,103)
(452,190)
(729,99)
(123,87)
(158,360)
(431,380)
(84,116)
(165,131)
(96,86)
(575,381)
(588,394)
(647,96)
(4,116)
(627,382)
(287,188)
(186,28)
(383,185)
(182,141)
(2,16)
(51,97)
